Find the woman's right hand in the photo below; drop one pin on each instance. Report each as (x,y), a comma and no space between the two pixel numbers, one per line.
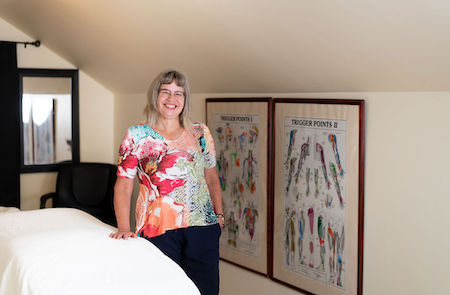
(123,235)
(122,195)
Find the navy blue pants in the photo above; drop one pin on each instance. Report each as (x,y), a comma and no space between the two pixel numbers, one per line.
(196,250)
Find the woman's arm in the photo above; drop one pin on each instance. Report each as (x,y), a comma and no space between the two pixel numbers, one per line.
(212,180)
(122,196)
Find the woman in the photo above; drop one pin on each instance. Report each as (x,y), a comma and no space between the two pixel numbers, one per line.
(179,208)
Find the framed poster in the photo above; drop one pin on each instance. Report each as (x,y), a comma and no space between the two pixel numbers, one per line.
(319,194)
(240,128)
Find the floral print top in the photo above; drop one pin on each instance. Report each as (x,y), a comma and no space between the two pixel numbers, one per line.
(173,191)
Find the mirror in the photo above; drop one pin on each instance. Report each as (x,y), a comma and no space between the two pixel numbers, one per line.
(49,119)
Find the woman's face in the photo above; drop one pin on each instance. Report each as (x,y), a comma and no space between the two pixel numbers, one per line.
(170,100)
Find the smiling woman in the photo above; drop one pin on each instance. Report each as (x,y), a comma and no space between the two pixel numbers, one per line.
(179,207)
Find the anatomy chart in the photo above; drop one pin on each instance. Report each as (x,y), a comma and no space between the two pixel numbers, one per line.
(236,139)
(314,198)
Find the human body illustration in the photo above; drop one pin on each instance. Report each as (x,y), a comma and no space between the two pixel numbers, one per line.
(301,231)
(328,201)
(319,152)
(304,152)
(235,160)
(236,197)
(291,146)
(253,135)
(250,215)
(316,182)
(308,174)
(336,245)
(311,228)
(233,229)
(220,136)
(290,236)
(249,167)
(242,140)
(228,137)
(321,234)
(332,247)
(333,141)
(336,184)
(291,172)
(222,166)
(340,251)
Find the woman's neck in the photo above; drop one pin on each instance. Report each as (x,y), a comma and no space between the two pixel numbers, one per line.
(169,129)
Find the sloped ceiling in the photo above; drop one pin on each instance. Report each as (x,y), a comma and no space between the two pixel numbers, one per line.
(248,45)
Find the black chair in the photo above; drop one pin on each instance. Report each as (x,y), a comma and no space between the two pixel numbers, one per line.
(86,186)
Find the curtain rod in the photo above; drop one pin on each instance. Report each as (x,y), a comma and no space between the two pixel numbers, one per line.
(36,43)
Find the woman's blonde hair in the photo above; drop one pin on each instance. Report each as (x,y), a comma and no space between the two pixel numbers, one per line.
(166,77)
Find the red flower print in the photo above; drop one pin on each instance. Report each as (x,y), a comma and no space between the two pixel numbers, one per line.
(162,178)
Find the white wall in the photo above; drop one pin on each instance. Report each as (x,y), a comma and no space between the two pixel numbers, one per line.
(96,115)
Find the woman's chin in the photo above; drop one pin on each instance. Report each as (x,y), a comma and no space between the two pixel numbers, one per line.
(170,115)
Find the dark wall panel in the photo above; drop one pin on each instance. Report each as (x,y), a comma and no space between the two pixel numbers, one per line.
(9,126)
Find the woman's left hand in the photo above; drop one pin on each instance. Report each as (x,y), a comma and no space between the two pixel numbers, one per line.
(221,220)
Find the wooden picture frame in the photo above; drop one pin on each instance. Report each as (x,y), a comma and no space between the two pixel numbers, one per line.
(241,129)
(318,195)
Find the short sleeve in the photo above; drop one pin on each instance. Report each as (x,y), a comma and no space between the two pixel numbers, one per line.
(127,162)
(209,151)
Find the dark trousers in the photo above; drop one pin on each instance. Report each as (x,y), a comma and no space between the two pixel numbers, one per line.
(196,250)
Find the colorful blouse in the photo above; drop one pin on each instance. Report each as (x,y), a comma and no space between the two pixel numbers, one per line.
(173,191)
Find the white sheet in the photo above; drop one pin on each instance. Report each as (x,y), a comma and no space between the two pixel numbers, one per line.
(67,251)
(8,209)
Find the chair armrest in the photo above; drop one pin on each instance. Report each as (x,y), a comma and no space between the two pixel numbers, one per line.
(45,197)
